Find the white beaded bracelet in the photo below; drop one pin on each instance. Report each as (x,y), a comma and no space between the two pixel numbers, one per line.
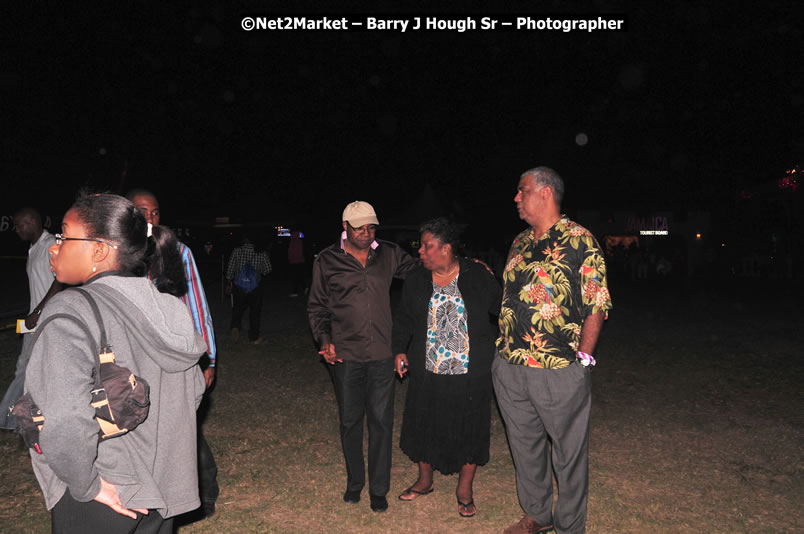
(586,359)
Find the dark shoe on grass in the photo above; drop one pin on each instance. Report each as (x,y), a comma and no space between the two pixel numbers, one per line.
(207,509)
(379,504)
(351,496)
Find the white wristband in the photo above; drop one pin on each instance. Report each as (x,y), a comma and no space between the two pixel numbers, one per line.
(585,359)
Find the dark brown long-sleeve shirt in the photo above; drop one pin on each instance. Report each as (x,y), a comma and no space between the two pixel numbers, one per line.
(349,305)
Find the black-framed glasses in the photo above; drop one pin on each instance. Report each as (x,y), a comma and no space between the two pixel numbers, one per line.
(365,228)
(60,238)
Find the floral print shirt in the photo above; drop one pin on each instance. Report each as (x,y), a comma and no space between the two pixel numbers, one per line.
(551,283)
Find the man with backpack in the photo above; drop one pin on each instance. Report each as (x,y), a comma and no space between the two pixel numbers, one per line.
(243,275)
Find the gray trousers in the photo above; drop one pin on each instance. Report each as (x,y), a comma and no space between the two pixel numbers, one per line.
(540,405)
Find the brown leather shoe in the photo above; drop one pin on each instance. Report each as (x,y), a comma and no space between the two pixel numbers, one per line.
(526,525)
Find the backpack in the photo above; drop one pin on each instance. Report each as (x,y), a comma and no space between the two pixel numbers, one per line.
(121,399)
(247,279)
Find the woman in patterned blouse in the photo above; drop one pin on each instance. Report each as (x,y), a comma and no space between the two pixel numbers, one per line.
(446,307)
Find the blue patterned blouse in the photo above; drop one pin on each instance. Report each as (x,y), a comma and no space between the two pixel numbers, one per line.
(447,335)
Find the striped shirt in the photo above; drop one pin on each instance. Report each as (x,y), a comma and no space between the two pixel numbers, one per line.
(196,302)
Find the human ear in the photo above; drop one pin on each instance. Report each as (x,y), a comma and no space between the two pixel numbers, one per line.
(100,252)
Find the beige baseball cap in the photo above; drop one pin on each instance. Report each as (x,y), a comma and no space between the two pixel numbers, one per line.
(358,213)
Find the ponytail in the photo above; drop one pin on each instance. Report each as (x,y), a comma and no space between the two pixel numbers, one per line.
(114,218)
(166,268)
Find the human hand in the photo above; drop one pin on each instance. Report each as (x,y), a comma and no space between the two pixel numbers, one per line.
(328,352)
(401,364)
(209,376)
(484,264)
(108,496)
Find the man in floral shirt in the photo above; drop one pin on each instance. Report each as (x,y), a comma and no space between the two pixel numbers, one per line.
(555,299)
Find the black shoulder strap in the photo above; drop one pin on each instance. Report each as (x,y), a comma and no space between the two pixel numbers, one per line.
(40,327)
(94,305)
(105,348)
(84,327)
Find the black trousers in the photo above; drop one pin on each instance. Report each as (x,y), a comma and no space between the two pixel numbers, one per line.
(251,301)
(72,517)
(366,389)
(207,471)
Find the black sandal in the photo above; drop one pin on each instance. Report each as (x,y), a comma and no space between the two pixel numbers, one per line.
(463,508)
(415,493)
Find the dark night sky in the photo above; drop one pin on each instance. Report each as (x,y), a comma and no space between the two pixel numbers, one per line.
(692,103)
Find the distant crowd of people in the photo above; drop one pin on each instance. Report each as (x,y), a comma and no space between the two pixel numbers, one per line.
(458,337)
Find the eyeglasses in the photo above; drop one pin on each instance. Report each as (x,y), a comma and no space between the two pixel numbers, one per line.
(60,238)
(368,228)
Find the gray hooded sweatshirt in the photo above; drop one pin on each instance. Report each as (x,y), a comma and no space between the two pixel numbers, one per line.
(152,334)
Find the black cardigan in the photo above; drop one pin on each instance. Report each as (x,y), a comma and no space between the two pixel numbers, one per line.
(482,295)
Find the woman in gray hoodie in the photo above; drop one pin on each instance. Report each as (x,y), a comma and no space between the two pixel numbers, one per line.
(139,481)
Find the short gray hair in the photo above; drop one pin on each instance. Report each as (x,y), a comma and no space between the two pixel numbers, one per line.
(547,177)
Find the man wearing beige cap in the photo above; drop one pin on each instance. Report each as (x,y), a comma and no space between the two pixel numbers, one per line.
(349,310)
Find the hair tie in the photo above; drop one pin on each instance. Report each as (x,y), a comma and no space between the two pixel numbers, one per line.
(150,230)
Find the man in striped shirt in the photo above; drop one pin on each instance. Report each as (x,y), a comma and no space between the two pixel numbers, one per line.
(196,302)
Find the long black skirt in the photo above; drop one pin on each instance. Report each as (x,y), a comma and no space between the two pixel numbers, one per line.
(446,420)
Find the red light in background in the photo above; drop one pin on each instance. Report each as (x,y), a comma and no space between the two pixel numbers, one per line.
(791,180)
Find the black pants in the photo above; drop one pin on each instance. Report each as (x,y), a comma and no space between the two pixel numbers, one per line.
(251,301)
(207,471)
(72,517)
(366,389)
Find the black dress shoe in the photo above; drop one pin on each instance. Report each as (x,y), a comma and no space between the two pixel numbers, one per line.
(379,504)
(351,496)
(208,509)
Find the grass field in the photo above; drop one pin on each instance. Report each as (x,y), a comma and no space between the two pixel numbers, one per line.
(696,427)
